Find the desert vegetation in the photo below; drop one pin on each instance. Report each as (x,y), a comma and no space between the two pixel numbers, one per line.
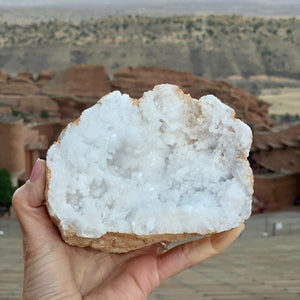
(211,46)
(152,30)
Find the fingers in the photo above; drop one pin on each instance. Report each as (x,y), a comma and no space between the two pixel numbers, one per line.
(186,255)
(28,202)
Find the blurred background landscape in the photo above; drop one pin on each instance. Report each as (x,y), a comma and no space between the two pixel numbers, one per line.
(59,57)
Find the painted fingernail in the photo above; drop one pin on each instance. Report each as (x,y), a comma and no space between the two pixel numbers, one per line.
(35,171)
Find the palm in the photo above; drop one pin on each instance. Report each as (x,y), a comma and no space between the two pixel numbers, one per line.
(115,276)
(87,272)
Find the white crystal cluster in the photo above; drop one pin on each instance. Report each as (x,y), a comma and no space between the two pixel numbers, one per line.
(173,164)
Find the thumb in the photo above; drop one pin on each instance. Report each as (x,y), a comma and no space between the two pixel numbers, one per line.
(28,202)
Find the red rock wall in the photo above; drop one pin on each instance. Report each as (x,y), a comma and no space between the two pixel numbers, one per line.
(50,130)
(277,191)
(12,156)
(276,159)
(31,103)
(85,82)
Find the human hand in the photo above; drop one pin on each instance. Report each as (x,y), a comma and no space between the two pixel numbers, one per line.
(55,270)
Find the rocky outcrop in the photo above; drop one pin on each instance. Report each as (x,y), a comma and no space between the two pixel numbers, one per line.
(3,77)
(277,150)
(86,83)
(135,81)
(24,77)
(81,86)
(45,76)
(22,84)
(61,94)
(31,103)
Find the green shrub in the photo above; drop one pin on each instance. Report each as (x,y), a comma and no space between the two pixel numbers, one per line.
(44,114)
(16,113)
(210,32)
(189,26)
(6,188)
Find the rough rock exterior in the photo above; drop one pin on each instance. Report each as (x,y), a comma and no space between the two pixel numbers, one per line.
(135,81)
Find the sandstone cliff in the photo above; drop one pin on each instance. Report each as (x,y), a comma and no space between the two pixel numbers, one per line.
(87,83)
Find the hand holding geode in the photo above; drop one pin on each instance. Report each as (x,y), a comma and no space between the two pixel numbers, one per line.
(130,172)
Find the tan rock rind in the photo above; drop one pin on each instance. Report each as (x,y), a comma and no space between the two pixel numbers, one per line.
(117,242)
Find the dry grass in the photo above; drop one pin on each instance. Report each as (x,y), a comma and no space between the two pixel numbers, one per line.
(282,100)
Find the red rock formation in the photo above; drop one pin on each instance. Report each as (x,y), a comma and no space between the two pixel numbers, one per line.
(31,103)
(12,145)
(33,140)
(3,77)
(135,81)
(23,77)
(276,191)
(69,113)
(87,83)
(45,76)
(18,88)
(22,84)
(277,150)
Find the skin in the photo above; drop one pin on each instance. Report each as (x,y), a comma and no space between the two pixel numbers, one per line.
(55,270)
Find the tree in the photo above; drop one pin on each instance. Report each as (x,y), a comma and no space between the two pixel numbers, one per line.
(6,189)
(210,32)
(189,26)
(44,114)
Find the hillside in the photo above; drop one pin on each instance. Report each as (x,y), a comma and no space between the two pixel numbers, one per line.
(209,46)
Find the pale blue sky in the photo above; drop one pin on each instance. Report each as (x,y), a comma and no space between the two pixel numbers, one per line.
(70,3)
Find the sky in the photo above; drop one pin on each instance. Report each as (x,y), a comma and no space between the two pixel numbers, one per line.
(63,2)
(101,2)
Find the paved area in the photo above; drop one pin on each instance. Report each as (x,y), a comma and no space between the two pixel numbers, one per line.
(255,267)
(260,268)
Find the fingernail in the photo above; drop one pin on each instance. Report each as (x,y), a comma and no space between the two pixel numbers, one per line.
(35,171)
